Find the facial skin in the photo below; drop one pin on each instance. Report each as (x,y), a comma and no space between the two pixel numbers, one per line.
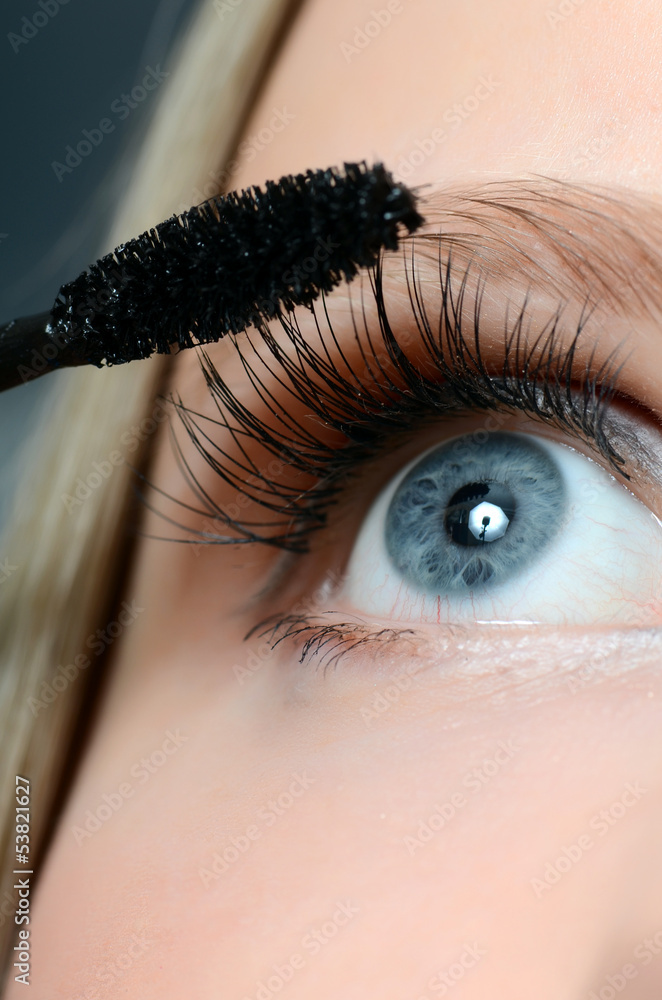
(538,746)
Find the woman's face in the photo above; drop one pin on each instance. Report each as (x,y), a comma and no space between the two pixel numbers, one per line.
(410,780)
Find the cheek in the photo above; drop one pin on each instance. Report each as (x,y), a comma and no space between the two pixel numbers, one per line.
(292,835)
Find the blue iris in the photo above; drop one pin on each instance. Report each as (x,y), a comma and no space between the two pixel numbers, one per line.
(475,512)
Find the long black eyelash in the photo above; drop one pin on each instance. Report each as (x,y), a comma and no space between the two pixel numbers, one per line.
(395,396)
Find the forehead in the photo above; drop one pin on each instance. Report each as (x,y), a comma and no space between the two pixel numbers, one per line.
(448,91)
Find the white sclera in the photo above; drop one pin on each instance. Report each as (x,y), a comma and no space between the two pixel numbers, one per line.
(604,565)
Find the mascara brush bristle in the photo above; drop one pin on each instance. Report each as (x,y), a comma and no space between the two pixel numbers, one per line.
(232,262)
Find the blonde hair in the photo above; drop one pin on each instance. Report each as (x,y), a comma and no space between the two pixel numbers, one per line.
(66,558)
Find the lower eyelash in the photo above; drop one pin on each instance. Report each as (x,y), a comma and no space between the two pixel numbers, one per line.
(397,396)
(324,642)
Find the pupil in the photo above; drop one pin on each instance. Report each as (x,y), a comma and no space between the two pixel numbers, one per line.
(479,513)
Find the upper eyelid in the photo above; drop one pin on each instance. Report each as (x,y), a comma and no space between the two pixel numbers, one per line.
(579,243)
(306,365)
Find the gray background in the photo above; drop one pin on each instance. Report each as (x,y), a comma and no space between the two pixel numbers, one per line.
(62,80)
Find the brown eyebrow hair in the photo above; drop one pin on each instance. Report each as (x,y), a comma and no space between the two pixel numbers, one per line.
(595,244)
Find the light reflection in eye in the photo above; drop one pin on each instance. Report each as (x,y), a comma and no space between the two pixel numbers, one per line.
(507,527)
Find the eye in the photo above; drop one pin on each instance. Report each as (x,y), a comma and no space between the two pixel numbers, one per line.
(507,527)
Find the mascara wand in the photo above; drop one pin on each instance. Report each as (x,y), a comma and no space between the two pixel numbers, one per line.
(233,261)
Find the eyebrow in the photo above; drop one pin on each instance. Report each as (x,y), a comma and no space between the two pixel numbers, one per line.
(594,244)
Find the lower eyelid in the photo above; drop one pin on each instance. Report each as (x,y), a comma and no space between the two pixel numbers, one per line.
(389,669)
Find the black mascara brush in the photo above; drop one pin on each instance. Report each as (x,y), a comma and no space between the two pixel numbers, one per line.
(234,261)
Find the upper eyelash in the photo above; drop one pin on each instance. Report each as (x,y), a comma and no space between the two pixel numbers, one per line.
(543,379)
